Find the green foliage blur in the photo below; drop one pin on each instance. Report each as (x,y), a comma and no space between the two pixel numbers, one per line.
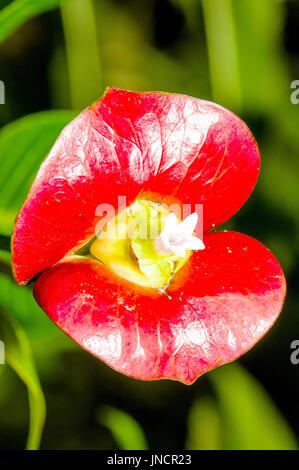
(56,58)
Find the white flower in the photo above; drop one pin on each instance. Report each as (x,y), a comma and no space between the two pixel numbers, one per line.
(178,237)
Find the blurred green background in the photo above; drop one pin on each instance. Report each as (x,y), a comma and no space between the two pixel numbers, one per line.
(56,58)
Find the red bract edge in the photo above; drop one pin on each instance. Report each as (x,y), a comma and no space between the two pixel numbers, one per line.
(171,148)
(217,307)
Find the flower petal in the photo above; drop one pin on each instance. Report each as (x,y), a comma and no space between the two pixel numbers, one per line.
(178,250)
(216,308)
(171,148)
(171,224)
(193,243)
(188,225)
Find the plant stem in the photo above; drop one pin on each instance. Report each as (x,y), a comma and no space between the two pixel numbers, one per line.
(37,407)
(82,52)
(222,50)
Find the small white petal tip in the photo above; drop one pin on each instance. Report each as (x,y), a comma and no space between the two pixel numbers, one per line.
(176,238)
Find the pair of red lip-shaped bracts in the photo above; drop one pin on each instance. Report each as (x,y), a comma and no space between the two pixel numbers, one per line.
(167,148)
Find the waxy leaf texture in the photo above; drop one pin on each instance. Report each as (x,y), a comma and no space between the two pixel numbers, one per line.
(172,149)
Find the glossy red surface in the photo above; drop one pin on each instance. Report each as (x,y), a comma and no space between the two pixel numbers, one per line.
(171,148)
(218,306)
(175,147)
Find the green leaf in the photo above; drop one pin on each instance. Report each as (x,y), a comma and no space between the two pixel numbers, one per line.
(241,416)
(127,433)
(19,356)
(20,302)
(4,257)
(262,65)
(23,146)
(18,12)
(249,418)
(45,338)
(204,425)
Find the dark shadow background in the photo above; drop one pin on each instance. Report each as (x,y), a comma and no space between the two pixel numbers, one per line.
(163,44)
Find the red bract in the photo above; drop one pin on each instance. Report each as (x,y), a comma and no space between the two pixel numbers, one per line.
(169,148)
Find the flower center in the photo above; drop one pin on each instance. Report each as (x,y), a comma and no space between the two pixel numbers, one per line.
(146,244)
